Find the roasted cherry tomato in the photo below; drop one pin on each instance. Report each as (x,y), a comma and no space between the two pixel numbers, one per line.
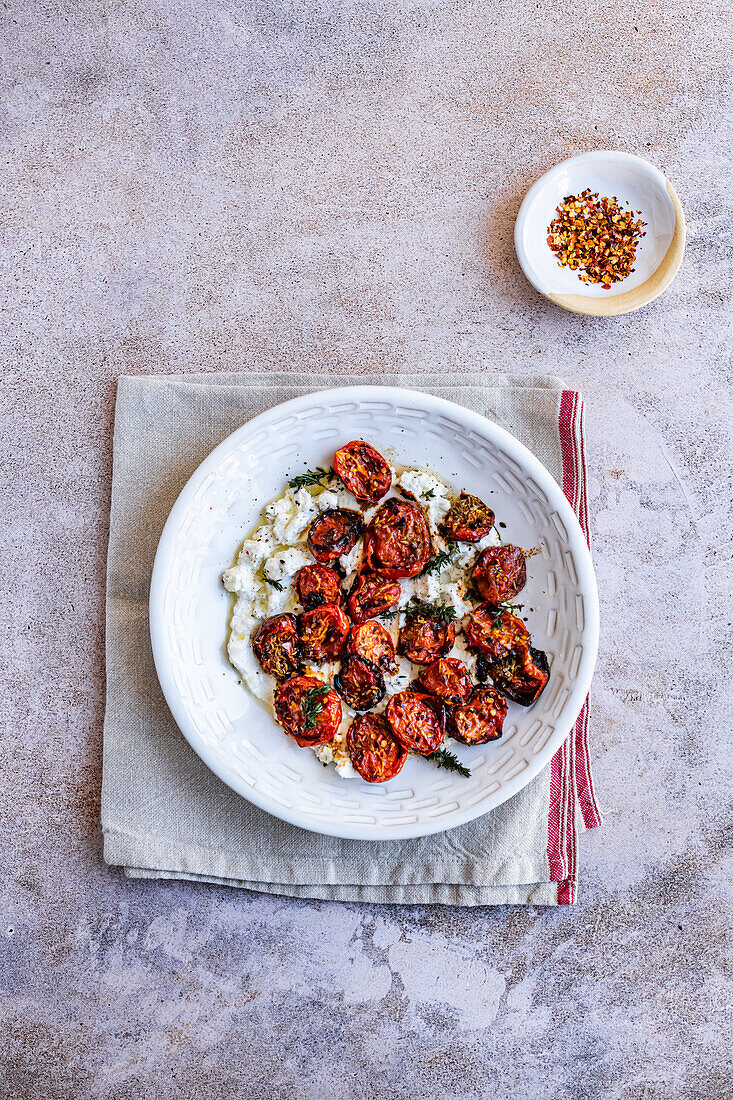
(495,634)
(374,750)
(371,641)
(499,572)
(363,471)
(372,595)
(323,632)
(308,710)
(417,721)
(277,647)
(480,719)
(468,520)
(334,533)
(521,676)
(397,542)
(359,683)
(447,678)
(423,640)
(318,584)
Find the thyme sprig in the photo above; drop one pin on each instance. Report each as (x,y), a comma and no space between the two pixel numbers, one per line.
(391,614)
(319,476)
(313,705)
(445,759)
(472,594)
(444,612)
(278,585)
(441,559)
(512,608)
(429,495)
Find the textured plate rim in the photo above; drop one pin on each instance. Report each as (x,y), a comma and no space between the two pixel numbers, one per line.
(586,585)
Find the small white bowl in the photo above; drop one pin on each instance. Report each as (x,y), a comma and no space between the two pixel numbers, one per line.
(631,180)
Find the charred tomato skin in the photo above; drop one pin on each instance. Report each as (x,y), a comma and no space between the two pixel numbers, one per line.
(397,542)
(481,672)
(448,679)
(468,520)
(499,573)
(480,719)
(373,642)
(318,584)
(333,533)
(495,634)
(522,677)
(372,595)
(539,657)
(417,721)
(375,752)
(277,647)
(423,640)
(323,632)
(359,683)
(289,699)
(364,472)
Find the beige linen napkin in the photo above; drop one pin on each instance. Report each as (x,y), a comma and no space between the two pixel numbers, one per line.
(165,815)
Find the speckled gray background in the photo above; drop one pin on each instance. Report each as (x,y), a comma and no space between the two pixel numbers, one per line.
(208,185)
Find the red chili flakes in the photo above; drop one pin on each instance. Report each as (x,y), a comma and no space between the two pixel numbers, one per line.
(594,235)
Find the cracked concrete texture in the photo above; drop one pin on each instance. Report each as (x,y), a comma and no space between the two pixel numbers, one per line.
(307,185)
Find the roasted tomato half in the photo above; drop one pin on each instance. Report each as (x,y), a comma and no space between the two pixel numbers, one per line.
(334,533)
(480,719)
(468,520)
(423,640)
(522,676)
(375,752)
(499,572)
(363,471)
(323,632)
(372,595)
(359,683)
(371,641)
(308,710)
(397,542)
(417,721)
(447,678)
(495,634)
(277,646)
(318,584)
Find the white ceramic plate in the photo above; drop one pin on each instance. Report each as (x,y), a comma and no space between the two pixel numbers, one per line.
(631,180)
(189,610)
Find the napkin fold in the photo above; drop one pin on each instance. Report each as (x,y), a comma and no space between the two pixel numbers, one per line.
(165,815)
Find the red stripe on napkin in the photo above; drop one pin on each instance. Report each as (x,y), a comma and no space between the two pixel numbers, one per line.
(570,772)
(583,777)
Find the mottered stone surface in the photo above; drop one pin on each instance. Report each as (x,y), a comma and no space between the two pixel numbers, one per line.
(306,186)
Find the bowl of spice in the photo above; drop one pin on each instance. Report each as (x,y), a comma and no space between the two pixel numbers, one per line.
(602,233)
